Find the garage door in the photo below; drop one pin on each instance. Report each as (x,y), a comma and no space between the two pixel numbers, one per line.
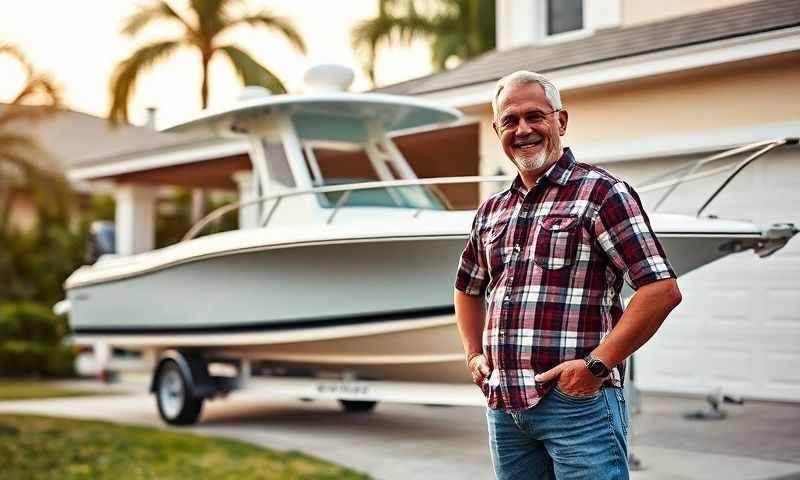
(738,327)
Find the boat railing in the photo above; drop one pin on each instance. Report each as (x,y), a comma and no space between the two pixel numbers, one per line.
(346,191)
(691,171)
(688,172)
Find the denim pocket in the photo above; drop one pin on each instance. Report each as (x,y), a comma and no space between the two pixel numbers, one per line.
(572,398)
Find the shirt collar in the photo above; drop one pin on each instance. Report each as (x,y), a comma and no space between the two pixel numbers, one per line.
(558,173)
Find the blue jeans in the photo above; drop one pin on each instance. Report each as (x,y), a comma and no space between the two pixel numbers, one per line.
(562,437)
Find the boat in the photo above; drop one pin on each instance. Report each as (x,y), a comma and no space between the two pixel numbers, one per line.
(345,278)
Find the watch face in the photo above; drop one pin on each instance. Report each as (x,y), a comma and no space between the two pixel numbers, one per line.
(596,368)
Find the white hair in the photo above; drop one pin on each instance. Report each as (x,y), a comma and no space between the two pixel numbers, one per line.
(524,77)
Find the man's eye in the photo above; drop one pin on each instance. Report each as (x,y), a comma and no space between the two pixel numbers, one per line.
(535,117)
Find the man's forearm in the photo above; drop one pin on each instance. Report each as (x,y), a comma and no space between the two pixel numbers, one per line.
(470,313)
(646,311)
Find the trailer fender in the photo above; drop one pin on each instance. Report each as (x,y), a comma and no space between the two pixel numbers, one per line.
(194,369)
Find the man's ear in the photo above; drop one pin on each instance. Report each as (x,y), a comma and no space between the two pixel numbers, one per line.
(496,131)
(563,118)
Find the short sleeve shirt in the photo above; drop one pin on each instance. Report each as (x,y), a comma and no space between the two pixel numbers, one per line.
(551,262)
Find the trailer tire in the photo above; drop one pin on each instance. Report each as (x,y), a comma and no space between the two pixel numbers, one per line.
(176,404)
(358,406)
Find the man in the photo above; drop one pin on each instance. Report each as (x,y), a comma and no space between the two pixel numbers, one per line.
(537,297)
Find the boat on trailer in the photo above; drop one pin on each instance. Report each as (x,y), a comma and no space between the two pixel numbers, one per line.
(331,280)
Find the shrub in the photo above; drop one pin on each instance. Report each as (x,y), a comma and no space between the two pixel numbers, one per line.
(31,342)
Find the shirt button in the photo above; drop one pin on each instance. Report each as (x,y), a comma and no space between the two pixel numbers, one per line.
(516,248)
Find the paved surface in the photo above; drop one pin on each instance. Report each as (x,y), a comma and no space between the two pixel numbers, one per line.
(759,440)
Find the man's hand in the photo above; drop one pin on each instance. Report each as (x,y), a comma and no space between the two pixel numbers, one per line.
(574,378)
(479,367)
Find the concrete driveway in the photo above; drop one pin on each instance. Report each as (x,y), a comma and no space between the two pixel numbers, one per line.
(759,440)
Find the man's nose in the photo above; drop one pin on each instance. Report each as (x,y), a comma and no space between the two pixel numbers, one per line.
(523,128)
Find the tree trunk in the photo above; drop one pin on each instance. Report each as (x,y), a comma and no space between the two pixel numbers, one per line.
(204,90)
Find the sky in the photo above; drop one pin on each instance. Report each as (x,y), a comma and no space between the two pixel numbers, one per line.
(79,43)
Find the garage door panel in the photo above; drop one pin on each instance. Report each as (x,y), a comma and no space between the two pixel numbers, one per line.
(782,369)
(731,366)
(783,308)
(668,363)
(730,307)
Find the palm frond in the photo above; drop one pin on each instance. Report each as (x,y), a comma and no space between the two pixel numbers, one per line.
(39,86)
(250,71)
(267,19)
(49,185)
(13,141)
(14,52)
(127,72)
(460,28)
(446,46)
(367,36)
(211,16)
(147,14)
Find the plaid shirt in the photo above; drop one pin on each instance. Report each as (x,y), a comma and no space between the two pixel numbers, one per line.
(551,262)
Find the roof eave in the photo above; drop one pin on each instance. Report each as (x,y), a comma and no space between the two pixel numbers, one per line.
(160,158)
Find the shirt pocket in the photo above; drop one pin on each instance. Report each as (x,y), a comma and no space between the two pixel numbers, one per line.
(556,244)
(494,238)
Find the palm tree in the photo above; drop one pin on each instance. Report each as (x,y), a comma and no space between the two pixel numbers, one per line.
(202,30)
(454,28)
(23,162)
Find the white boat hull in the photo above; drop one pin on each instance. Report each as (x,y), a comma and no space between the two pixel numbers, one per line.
(375,308)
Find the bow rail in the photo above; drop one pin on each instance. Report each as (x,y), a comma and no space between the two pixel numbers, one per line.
(346,189)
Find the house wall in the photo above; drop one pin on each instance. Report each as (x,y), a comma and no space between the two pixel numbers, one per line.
(741,95)
(643,11)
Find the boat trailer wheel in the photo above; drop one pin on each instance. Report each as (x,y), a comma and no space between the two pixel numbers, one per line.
(176,405)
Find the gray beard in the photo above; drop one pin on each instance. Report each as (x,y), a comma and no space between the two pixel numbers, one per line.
(530,164)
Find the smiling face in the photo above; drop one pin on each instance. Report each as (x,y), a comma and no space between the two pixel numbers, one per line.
(529,134)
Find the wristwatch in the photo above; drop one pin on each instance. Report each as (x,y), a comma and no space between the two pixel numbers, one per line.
(596,367)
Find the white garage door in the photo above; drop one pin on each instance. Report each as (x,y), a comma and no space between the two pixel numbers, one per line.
(738,327)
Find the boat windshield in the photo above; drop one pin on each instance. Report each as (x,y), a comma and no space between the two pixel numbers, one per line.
(329,167)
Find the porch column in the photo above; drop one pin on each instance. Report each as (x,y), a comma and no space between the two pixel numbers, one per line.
(135,218)
(248,216)
(493,160)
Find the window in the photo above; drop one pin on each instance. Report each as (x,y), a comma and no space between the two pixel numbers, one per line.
(330,167)
(564,16)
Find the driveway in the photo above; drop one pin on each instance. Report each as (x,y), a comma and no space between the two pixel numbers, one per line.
(759,440)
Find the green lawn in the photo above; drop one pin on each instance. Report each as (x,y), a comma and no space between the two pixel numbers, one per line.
(52,448)
(32,389)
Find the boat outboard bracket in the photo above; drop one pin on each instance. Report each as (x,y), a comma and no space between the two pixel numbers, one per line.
(775,238)
(768,243)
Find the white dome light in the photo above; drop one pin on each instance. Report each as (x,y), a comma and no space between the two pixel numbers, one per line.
(329,77)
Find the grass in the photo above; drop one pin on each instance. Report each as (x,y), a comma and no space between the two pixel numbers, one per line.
(53,448)
(33,389)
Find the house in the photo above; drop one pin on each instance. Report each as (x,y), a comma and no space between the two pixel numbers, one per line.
(649,86)
(68,137)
